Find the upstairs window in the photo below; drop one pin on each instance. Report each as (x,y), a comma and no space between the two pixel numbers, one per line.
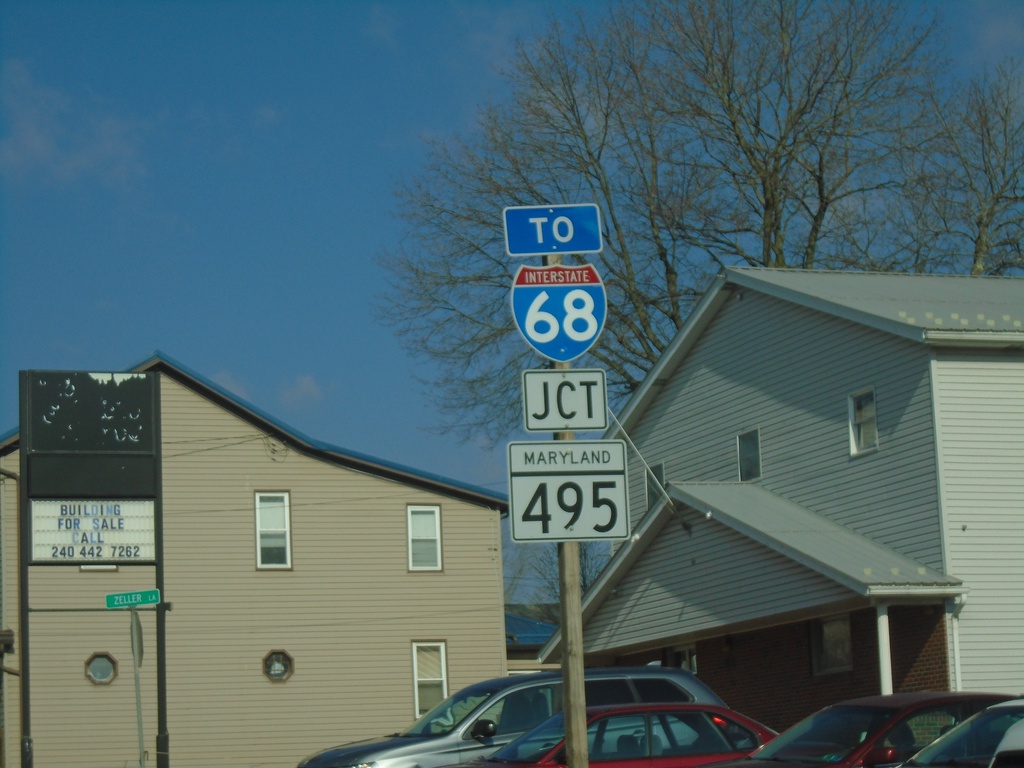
(424,538)
(748,449)
(863,422)
(273,545)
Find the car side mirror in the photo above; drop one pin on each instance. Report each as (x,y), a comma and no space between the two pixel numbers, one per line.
(483,729)
(881,756)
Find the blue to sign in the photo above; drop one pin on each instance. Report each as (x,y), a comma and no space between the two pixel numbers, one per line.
(539,230)
(560,310)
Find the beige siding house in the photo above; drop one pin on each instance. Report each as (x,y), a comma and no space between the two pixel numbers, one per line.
(367,589)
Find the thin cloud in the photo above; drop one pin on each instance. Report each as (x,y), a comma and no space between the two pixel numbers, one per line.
(231,383)
(54,139)
(302,392)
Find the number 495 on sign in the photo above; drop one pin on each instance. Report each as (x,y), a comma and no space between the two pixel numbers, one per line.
(570,510)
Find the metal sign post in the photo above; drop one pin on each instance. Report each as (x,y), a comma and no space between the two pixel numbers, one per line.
(561,310)
(133,601)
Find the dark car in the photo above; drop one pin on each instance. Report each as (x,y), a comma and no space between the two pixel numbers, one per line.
(868,732)
(485,716)
(640,736)
(974,741)
(1010,752)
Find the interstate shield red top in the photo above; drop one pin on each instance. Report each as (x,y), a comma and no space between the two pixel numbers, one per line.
(560,310)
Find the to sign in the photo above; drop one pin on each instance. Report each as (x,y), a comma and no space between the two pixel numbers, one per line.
(539,230)
(568,490)
(572,399)
(560,310)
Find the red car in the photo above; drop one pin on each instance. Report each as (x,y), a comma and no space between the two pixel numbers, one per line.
(641,736)
(868,732)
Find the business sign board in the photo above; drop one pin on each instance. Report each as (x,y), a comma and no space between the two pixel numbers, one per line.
(542,230)
(568,490)
(90,464)
(76,531)
(559,310)
(572,399)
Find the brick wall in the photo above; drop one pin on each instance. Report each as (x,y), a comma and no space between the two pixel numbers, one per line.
(767,674)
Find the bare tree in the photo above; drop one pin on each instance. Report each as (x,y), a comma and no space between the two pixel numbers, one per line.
(541,584)
(967,207)
(773,133)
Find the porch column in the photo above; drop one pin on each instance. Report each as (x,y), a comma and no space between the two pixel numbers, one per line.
(884,651)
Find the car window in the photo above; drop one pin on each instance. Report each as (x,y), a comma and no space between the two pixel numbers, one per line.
(655,689)
(533,745)
(522,709)
(973,741)
(617,737)
(921,729)
(613,690)
(826,736)
(686,733)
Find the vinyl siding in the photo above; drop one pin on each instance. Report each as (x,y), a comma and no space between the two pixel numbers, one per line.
(689,584)
(980,416)
(347,611)
(788,371)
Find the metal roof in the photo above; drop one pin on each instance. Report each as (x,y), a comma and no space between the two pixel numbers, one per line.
(326,451)
(932,307)
(833,550)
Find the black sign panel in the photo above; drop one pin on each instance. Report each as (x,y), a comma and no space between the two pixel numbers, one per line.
(90,435)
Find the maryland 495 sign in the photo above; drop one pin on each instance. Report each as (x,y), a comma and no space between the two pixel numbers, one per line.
(560,310)
(568,490)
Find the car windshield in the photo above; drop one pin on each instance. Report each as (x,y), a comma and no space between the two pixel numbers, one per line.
(533,745)
(827,736)
(974,741)
(449,714)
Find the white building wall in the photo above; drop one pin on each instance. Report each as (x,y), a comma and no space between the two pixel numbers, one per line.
(980,429)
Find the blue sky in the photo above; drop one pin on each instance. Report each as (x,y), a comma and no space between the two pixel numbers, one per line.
(214,179)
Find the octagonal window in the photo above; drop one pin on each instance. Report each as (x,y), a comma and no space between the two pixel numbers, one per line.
(278,666)
(101,668)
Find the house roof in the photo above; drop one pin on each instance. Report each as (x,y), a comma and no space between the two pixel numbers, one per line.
(833,550)
(934,308)
(939,310)
(860,564)
(161,363)
(522,631)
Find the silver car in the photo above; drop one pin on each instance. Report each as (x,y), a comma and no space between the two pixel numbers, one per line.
(485,716)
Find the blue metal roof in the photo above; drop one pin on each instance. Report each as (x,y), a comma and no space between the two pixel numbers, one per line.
(158,361)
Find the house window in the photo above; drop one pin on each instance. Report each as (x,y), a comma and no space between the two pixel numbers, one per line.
(101,669)
(278,666)
(748,448)
(273,548)
(655,484)
(424,538)
(863,423)
(428,668)
(831,646)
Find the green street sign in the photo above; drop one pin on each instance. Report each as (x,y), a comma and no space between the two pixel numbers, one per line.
(133,599)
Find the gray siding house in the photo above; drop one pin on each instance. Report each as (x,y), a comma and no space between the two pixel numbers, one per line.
(316,596)
(827,493)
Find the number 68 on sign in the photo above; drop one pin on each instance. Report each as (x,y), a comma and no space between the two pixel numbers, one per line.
(568,490)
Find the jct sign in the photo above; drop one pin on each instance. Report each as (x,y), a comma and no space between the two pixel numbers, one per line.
(565,400)
(568,490)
